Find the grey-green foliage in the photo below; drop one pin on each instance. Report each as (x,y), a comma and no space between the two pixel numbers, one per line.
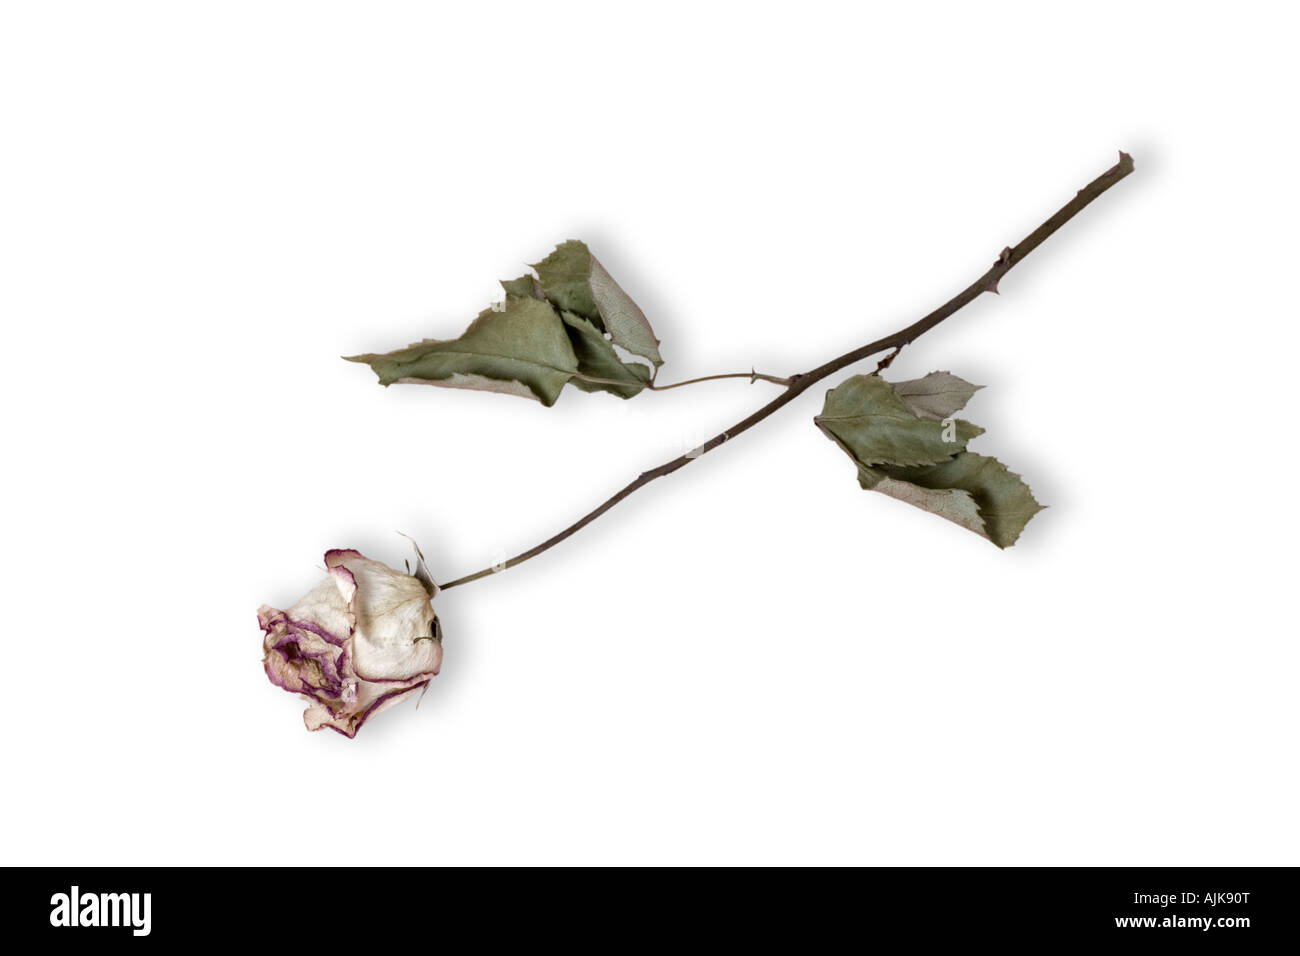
(868,416)
(575,281)
(937,396)
(521,350)
(905,443)
(560,326)
(598,360)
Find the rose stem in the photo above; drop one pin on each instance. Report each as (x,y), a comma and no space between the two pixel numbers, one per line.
(799,384)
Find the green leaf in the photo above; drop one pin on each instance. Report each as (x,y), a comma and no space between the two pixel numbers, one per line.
(525,285)
(1003,503)
(869,421)
(575,281)
(937,396)
(598,360)
(564,325)
(955,504)
(565,277)
(876,427)
(522,350)
(600,368)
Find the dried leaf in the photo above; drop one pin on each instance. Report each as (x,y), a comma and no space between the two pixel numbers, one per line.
(573,279)
(525,285)
(867,418)
(937,396)
(565,278)
(562,327)
(598,360)
(1003,501)
(955,504)
(522,350)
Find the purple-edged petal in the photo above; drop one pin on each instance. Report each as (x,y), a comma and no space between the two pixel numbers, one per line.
(371,699)
(326,611)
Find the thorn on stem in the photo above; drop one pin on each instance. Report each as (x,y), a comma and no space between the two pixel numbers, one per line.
(887,361)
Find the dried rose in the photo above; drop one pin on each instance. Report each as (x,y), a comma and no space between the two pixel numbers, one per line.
(362,640)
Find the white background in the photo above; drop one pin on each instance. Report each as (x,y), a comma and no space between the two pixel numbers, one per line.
(203,206)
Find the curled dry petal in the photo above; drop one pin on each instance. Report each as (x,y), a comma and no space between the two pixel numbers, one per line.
(362,640)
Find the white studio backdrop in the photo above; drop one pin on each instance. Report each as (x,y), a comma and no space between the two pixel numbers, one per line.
(203,206)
